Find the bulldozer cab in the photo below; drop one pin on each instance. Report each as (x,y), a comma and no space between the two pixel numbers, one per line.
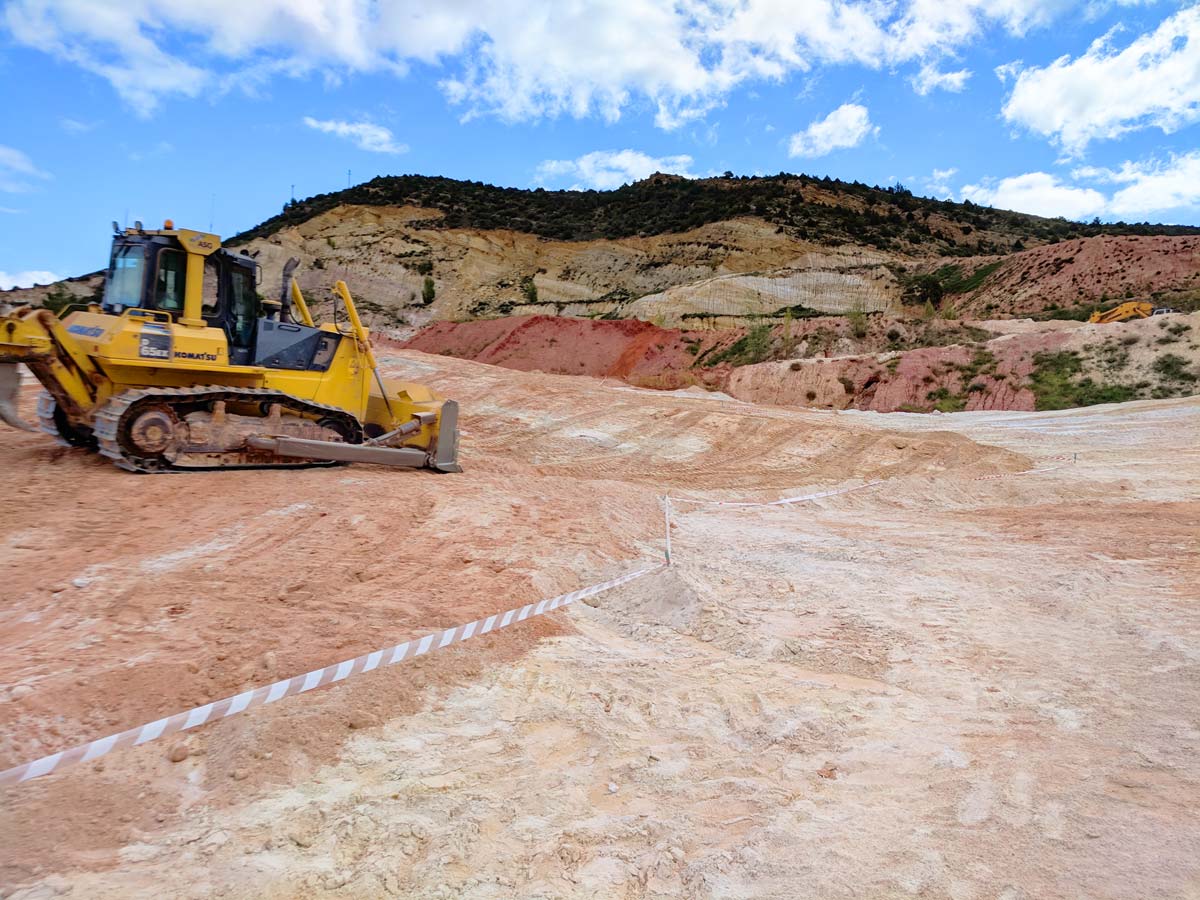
(188,276)
(151,271)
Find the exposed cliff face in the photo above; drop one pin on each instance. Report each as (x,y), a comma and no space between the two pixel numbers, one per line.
(712,252)
(82,289)
(718,273)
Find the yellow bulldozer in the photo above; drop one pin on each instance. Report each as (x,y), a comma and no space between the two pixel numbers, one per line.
(182,365)
(1131,309)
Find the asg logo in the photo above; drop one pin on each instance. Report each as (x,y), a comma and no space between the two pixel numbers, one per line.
(203,244)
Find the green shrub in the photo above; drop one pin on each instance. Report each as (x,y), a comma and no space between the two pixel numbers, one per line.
(925,289)
(1054,385)
(944,401)
(1173,367)
(752,347)
(58,299)
(982,362)
(427,291)
(529,289)
(858,323)
(954,281)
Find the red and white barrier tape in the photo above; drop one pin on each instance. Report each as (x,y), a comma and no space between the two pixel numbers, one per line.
(230,706)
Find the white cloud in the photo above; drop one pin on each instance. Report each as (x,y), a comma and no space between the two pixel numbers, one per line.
(161,148)
(1152,186)
(847,126)
(1039,193)
(365,135)
(75,126)
(27,279)
(938,184)
(1106,92)
(607,169)
(17,171)
(929,79)
(1149,187)
(1009,70)
(518,60)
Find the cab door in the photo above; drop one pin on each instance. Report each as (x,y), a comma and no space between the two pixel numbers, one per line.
(241,318)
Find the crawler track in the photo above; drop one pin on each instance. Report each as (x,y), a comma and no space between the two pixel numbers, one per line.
(112,419)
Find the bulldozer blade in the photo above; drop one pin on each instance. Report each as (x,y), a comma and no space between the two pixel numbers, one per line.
(335,451)
(10,386)
(445,454)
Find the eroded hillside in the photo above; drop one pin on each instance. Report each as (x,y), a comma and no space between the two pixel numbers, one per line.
(1090,271)
(721,271)
(878,363)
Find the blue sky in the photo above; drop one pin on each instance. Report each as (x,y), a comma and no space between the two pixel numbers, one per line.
(210,111)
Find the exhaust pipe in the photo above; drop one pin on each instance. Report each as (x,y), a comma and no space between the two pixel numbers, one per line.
(285,291)
(10,387)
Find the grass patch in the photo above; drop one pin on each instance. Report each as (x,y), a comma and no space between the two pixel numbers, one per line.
(752,347)
(799,311)
(858,323)
(1055,385)
(954,281)
(1174,368)
(983,362)
(944,401)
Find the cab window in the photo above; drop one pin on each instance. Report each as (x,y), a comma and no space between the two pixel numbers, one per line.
(168,285)
(243,305)
(210,306)
(124,286)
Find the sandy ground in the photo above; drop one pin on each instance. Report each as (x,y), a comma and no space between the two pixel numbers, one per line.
(939,687)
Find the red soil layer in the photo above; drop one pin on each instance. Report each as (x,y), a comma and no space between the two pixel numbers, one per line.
(646,355)
(909,382)
(620,348)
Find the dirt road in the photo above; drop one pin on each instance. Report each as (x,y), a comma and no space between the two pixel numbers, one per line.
(938,687)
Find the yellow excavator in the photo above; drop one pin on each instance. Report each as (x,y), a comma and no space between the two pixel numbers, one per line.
(1131,309)
(183,366)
